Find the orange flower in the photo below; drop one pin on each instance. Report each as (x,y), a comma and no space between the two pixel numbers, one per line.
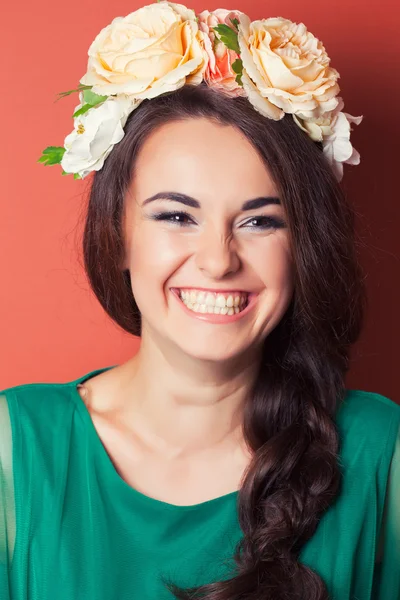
(219,72)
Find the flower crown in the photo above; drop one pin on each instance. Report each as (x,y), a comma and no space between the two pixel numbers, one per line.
(277,64)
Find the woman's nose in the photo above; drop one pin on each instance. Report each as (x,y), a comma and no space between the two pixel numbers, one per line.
(217,256)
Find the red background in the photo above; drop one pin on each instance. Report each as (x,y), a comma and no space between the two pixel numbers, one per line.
(52,328)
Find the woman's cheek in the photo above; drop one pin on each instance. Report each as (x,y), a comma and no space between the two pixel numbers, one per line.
(157,257)
(270,258)
(168,251)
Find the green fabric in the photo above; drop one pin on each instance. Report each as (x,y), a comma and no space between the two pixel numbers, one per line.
(71,528)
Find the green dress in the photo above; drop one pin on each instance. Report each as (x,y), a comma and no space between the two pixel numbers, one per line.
(71,528)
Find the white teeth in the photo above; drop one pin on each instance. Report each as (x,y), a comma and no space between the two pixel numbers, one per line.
(220,301)
(210,300)
(211,303)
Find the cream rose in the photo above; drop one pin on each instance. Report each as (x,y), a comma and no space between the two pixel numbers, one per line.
(156,49)
(285,69)
(219,72)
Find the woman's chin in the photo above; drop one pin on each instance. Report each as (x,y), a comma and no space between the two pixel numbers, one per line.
(213,352)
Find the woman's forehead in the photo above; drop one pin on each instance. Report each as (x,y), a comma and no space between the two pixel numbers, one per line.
(197,156)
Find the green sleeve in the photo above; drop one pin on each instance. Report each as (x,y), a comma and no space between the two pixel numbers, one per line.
(7,506)
(387,566)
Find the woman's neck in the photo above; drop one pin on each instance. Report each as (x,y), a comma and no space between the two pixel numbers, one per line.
(185,406)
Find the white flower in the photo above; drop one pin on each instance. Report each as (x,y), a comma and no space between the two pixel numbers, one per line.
(337,146)
(95,134)
(333,130)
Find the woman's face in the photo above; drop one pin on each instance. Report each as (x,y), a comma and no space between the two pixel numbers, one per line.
(204,230)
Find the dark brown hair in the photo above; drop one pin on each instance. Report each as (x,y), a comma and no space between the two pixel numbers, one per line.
(289,420)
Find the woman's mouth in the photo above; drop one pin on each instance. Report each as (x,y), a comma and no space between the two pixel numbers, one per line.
(217,307)
(214,302)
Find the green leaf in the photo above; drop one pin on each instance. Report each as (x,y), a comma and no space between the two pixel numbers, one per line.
(76,175)
(92,98)
(80,88)
(235,23)
(237,66)
(82,110)
(228,36)
(52,155)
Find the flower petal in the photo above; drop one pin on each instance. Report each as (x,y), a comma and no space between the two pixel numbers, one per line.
(262,105)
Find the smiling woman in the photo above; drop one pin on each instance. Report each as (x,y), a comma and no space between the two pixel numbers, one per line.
(203,208)
(226,459)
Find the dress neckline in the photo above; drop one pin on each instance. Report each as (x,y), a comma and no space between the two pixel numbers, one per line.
(115,478)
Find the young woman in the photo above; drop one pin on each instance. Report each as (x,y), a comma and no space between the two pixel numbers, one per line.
(226,459)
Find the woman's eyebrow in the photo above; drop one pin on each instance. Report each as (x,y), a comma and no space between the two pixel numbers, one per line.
(189,201)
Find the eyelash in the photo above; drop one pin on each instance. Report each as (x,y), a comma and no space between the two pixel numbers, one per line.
(269,222)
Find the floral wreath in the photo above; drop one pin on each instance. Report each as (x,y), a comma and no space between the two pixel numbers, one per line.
(278,65)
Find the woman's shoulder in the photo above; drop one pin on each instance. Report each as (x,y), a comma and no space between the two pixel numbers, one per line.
(51,393)
(369,426)
(41,403)
(40,421)
(369,410)
(46,411)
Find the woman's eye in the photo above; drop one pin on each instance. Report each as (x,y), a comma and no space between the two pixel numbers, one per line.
(183,219)
(264,223)
(176,217)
